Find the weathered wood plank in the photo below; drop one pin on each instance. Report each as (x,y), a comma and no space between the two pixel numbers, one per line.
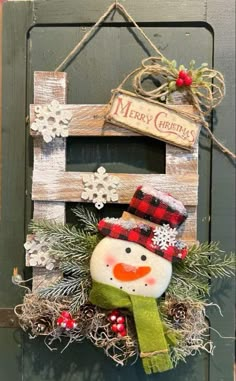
(67,186)
(179,161)
(49,86)
(89,11)
(150,118)
(222,20)
(89,120)
(43,278)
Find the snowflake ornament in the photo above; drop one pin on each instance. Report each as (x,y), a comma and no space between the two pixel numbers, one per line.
(51,121)
(100,187)
(164,236)
(37,251)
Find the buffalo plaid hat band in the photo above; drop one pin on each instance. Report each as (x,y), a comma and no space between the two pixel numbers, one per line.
(157,207)
(143,235)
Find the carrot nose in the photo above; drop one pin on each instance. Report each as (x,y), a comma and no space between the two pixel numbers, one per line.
(127,273)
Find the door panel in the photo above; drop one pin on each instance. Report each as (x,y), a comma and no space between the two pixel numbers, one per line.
(38,35)
(113,52)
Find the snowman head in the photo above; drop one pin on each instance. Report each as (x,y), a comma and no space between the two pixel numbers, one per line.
(136,255)
(130,267)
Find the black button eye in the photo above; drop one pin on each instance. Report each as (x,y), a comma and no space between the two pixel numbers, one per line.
(128,250)
(143,257)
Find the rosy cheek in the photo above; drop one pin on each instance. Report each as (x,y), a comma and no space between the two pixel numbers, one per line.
(150,281)
(110,260)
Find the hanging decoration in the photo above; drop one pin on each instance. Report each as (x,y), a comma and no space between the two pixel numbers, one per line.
(137,286)
(110,283)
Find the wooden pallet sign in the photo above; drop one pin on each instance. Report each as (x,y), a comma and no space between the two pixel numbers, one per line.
(152,119)
(51,121)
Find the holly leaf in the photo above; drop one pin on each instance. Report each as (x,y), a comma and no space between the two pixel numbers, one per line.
(182,67)
(172,86)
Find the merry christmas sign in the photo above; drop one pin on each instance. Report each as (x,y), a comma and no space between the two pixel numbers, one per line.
(155,120)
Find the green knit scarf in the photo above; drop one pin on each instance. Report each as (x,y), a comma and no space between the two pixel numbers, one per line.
(153,336)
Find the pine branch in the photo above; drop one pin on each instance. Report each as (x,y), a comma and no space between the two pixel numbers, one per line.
(74,288)
(186,288)
(66,241)
(87,218)
(207,260)
(55,231)
(81,296)
(80,250)
(74,269)
(65,287)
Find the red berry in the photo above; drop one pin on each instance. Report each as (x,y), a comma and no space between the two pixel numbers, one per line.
(120,327)
(188,80)
(120,319)
(115,312)
(114,327)
(60,320)
(112,318)
(182,74)
(179,82)
(70,324)
(66,314)
(123,333)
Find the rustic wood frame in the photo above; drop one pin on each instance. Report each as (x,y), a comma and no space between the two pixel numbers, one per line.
(20,16)
(52,186)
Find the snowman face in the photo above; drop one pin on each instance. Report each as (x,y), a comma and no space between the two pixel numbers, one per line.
(130,267)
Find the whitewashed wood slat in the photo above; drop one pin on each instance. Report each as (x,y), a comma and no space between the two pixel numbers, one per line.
(89,120)
(47,87)
(67,186)
(43,278)
(180,162)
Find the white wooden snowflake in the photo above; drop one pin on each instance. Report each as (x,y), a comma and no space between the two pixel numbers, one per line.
(164,236)
(100,187)
(51,121)
(37,251)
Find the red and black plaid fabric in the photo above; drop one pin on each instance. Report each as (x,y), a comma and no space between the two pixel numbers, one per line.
(142,235)
(151,208)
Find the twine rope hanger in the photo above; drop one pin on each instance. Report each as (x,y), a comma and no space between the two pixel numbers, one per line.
(152,66)
(115,5)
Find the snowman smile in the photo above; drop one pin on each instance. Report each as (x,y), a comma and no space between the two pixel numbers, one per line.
(127,273)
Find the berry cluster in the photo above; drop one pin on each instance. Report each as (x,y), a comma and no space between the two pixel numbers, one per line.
(184,79)
(65,320)
(117,323)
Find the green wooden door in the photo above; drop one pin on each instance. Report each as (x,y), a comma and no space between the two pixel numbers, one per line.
(37,36)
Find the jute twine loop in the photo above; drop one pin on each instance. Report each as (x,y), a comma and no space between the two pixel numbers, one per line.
(204,95)
(115,5)
(150,354)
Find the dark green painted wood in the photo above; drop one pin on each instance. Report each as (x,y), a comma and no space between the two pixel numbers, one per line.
(17,18)
(51,11)
(113,52)
(47,45)
(11,354)
(223,210)
(117,154)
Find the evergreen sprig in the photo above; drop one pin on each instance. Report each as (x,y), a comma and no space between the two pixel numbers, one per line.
(66,242)
(206,261)
(86,218)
